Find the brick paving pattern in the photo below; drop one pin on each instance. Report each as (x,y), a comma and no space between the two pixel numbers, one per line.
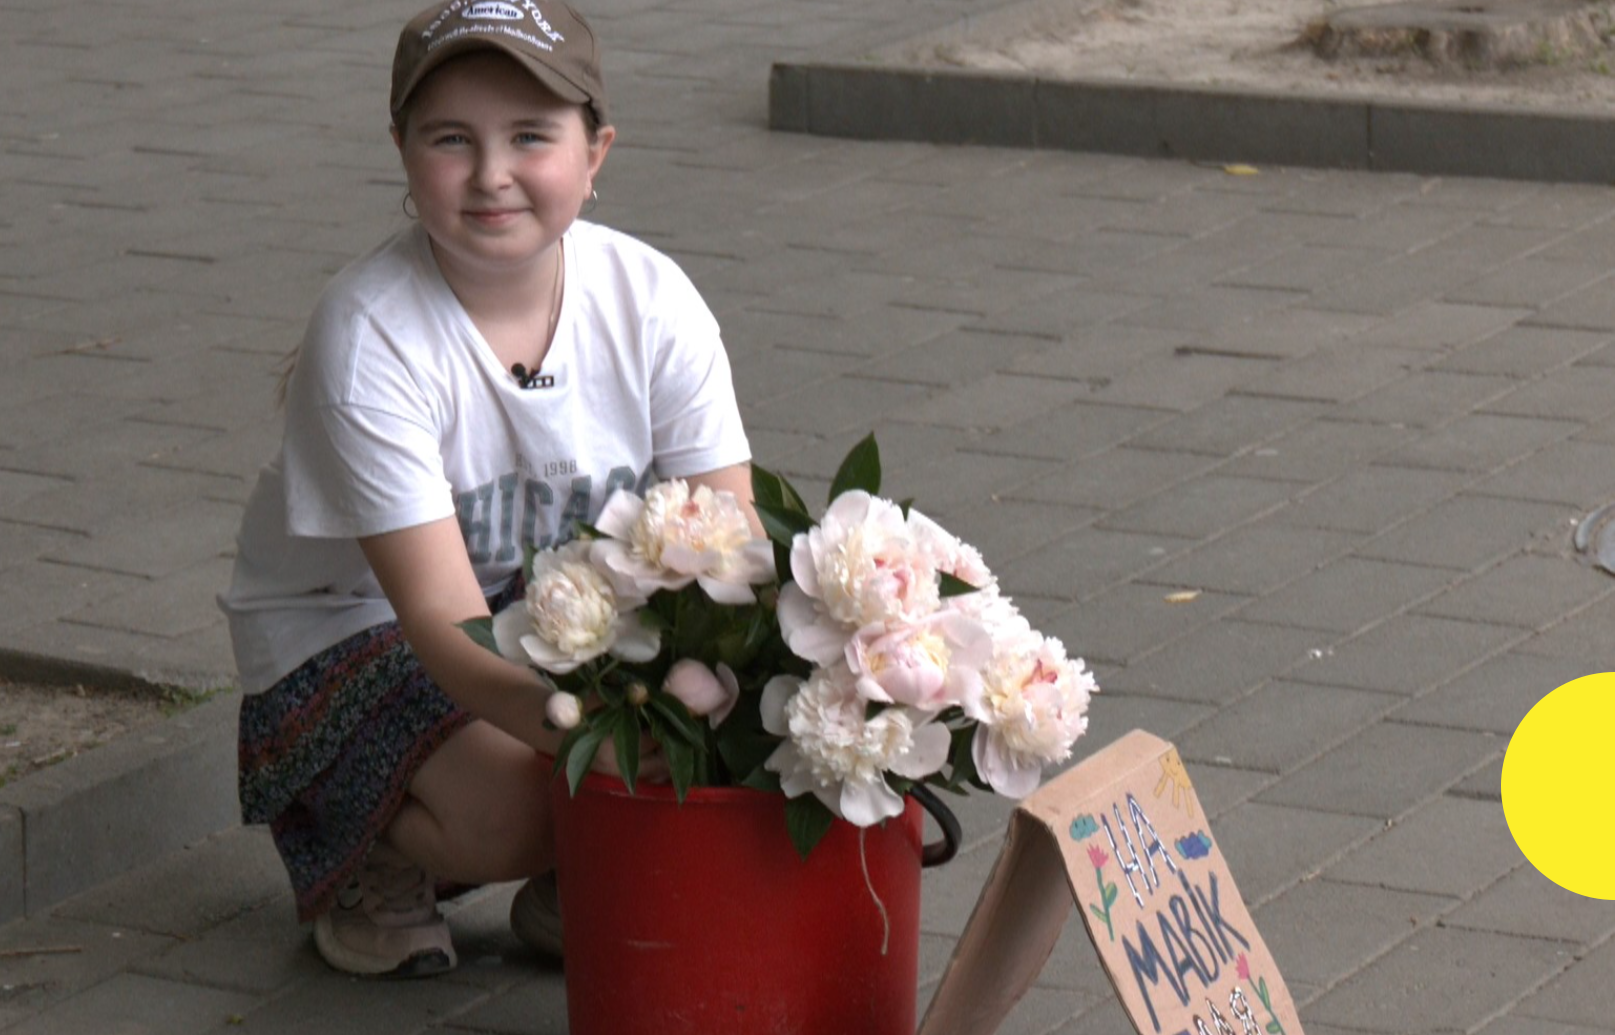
(1360,413)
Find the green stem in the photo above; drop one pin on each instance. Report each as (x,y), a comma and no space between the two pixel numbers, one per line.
(1099,878)
(1274,1025)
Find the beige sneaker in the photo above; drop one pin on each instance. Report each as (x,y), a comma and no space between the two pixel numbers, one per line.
(386,923)
(535,915)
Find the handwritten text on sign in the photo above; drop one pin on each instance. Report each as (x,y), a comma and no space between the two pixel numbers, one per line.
(1164,914)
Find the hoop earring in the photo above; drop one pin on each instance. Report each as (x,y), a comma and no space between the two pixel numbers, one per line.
(593,202)
(404,204)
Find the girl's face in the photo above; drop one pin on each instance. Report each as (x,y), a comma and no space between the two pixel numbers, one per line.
(498,166)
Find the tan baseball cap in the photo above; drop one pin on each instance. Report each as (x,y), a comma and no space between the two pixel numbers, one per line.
(549,39)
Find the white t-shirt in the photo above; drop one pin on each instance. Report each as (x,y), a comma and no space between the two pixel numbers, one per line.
(399,414)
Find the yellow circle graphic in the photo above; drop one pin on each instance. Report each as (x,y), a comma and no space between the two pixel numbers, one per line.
(1559,784)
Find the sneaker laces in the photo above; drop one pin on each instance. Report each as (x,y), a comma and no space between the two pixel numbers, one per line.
(391,884)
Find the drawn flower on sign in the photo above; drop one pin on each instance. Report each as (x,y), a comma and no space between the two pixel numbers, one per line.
(1107,889)
(1242,967)
(1194,846)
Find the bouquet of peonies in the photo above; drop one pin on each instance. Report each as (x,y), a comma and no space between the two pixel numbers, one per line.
(841,662)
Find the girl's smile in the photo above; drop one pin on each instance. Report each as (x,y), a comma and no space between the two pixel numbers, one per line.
(495,217)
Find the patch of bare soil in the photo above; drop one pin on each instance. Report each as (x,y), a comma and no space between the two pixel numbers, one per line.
(1253,44)
(42,725)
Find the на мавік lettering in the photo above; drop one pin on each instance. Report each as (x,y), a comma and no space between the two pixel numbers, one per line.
(1182,940)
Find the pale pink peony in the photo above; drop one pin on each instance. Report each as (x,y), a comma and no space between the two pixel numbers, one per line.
(995,612)
(835,751)
(702,690)
(930,664)
(571,615)
(860,565)
(1032,708)
(673,537)
(949,553)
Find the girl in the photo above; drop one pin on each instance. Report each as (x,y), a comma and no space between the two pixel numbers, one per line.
(477,384)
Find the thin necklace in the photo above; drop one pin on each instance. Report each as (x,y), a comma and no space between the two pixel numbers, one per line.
(531,378)
(555,294)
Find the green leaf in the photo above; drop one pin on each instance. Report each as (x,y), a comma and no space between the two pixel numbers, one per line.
(773,489)
(481,632)
(792,500)
(807,820)
(1274,1027)
(654,619)
(770,492)
(954,586)
(588,531)
(625,734)
(759,628)
(1110,894)
(563,751)
(731,649)
(781,523)
(761,779)
(782,562)
(744,745)
(680,765)
(581,757)
(962,758)
(1096,911)
(766,486)
(680,724)
(860,470)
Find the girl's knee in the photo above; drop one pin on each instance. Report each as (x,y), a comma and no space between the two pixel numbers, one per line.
(508,828)
(488,797)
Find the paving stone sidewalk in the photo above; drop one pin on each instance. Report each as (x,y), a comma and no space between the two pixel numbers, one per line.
(1360,414)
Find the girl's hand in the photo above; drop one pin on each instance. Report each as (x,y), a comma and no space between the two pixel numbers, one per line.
(652,764)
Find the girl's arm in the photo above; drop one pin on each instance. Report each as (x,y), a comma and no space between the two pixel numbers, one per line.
(735,479)
(428,579)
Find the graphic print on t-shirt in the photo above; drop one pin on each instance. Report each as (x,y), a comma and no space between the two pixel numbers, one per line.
(499,517)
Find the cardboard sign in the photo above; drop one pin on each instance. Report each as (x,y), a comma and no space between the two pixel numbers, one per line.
(1123,836)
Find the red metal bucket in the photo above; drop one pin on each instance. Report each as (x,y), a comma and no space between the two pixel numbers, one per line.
(700,918)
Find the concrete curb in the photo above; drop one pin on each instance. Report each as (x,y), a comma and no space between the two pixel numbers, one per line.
(874,99)
(116,808)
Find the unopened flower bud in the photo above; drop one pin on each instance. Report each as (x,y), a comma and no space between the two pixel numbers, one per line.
(638,693)
(564,710)
(701,690)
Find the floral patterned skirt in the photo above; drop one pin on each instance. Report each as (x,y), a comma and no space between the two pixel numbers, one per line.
(327,754)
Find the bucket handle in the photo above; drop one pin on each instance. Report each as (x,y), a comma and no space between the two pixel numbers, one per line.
(938,852)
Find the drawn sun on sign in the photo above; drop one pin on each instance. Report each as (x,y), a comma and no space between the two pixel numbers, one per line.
(1173,775)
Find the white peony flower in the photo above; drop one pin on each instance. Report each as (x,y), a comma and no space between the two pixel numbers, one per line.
(835,752)
(674,536)
(929,664)
(860,565)
(1032,707)
(571,615)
